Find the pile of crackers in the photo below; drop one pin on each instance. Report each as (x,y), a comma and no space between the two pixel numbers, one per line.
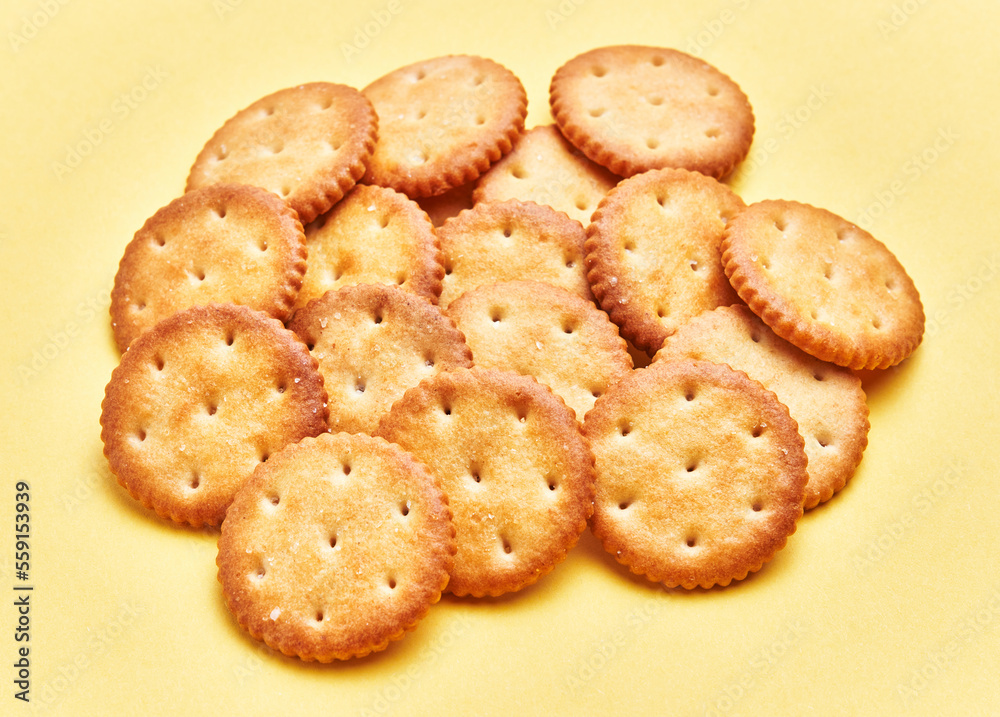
(396,345)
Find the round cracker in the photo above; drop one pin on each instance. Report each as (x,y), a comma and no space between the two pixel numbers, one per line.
(373,342)
(826,401)
(633,108)
(308,144)
(506,241)
(517,471)
(444,121)
(373,235)
(540,330)
(545,168)
(653,257)
(335,547)
(200,400)
(224,243)
(700,473)
(823,284)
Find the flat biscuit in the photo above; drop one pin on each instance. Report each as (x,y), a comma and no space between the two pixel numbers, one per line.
(225,243)
(632,108)
(443,122)
(373,342)
(308,144)
(516,469)
(335,547)
(823,284)
(543,331)
(545,168)
(653,257)
(700,473)
(505,241)
(202,398)
(372,236)
(827,401)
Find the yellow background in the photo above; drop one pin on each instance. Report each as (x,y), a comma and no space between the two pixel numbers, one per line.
(886,600)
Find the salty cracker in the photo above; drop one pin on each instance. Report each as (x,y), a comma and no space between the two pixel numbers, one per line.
(373,342)
(223,243)
(200,400)
(700,473)
(335,547)
(505,241)
(545,168)
(823,284)
(516,469)
(827,401)
(633,108)
(443,122)
(653,257)
(308,144)
(543,331)
(373,235)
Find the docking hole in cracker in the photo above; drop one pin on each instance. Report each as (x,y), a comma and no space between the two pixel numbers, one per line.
(335,547)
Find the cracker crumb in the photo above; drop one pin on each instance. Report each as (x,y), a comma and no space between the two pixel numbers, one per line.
(274,613)
(322,322)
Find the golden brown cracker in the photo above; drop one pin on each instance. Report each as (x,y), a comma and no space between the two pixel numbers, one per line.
(543,331)
(506,241)
(443,122)
(653,257)
(308,144)
(700,473)
(518,474)
(202,398)
(373,342)
(223,243)
(633,108)
(826,401)
(823,284)
(335,547)
(373,235)
(545,168)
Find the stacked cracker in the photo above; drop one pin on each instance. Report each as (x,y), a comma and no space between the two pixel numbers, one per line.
(426,387)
